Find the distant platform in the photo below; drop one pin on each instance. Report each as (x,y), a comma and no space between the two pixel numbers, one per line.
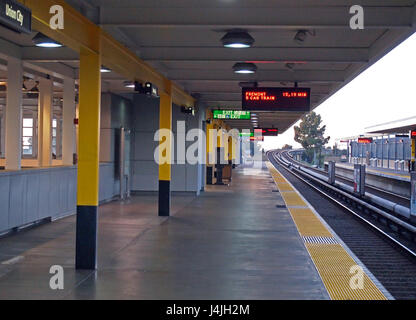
(384,172)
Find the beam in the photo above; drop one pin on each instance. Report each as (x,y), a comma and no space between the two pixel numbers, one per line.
(261,75)
(37,54)
(57,70)
(255,17)
(80,34)
(293,54)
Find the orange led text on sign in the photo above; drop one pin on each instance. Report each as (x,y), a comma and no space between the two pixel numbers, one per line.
(259,96)
(293,94)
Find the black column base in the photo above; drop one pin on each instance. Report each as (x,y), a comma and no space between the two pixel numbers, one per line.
(86,238)
(164,198)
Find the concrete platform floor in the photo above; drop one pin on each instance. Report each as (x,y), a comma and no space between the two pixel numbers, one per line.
(229,243)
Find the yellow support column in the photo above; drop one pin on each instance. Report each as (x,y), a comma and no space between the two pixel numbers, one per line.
(88,165)
(210,148)
(165,150)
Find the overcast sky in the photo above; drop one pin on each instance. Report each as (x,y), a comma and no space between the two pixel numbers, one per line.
(384,92)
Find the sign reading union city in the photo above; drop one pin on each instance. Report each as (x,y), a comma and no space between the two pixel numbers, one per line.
(15,16)
(277,99)
(232,114)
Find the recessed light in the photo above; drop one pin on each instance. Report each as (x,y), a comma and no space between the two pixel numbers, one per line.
(245,68)
(40,40)
(129,84)
(237,39)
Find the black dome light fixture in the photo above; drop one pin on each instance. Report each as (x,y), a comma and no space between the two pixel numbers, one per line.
(40,40)
(237,39)
(245,68)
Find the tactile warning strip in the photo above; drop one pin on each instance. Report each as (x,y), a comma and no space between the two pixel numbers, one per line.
(343,278)
(320,240)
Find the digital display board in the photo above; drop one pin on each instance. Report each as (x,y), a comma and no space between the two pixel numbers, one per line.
(260,138)
(365,140)
(413,134)
(276,99)
(231,114)
(266,132)
(15,16)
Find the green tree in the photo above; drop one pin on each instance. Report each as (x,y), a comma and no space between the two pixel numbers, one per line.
(310,134)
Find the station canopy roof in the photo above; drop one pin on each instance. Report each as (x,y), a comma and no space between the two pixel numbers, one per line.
(398,126)
(182,40)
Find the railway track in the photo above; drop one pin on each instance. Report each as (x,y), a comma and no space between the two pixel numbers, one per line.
(387,250)
(400,199)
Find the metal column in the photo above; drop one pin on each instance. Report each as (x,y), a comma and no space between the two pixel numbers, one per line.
(359,179)
(13,123)
(88,165)
(165,123)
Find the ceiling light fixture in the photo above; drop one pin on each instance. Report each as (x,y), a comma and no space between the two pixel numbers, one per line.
(105,70)
(40,40)
(129,84)
(237,39)
(245,68)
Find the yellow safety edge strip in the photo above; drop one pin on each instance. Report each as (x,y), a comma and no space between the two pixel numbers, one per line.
(335,266)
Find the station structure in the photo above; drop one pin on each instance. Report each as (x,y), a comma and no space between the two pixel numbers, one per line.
(82,100)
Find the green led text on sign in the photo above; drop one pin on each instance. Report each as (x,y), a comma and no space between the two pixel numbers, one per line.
(231,115)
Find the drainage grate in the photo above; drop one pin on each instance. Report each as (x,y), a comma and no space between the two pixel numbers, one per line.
(320,240)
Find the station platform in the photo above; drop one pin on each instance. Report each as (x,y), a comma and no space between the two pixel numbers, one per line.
(384,172)
(241,241)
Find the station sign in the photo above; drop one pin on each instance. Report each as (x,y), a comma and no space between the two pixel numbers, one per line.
(231,114)
(413,134)
(15,16)
(276,99)
(267,132)
(365,140)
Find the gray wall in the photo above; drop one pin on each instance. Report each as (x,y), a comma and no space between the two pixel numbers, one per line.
(116,112)
(185,177)
(30,195)
(27,196)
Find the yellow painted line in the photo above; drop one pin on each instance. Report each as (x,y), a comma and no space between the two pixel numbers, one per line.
(308,224)
(337,269)
(388,173)
(292,199)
